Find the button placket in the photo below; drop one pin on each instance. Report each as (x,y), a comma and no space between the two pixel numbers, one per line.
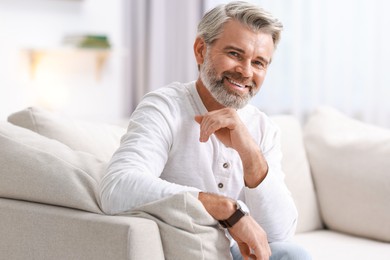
(226,170)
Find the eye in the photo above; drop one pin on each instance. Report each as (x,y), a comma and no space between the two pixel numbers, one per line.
(234,54)
(259,64)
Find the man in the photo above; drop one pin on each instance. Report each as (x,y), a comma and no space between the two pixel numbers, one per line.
(204,138)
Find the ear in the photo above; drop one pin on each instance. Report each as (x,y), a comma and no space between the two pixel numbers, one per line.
(199,50)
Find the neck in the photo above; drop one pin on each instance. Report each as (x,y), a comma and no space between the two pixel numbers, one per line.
(208,100)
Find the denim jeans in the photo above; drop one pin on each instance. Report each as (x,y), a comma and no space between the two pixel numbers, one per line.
(280,251)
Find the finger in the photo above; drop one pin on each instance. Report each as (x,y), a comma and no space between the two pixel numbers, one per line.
(204,133)
(261,254)
(204,128)
(269,250)
(207,127)
(204,136)
(212,125)
(198,119)
(244,249)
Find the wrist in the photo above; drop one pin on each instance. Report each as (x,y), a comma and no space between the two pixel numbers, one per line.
(255,169)
(254,179)
(240,212)
(219,207)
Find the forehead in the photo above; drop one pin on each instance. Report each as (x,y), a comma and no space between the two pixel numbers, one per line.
(238,35)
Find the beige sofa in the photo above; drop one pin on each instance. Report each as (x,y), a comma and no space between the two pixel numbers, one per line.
(337,169)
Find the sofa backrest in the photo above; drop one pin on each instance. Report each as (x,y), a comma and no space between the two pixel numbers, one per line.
(98,139)
(297,170)
(71,140)
(38,169)
(350,163)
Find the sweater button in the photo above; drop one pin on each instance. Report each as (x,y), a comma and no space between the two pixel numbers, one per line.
(220,185)
(225,165)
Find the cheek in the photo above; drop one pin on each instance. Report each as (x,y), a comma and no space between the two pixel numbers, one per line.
(224,64)
(258,78)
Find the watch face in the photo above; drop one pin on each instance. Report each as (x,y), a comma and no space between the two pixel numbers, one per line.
(243,206)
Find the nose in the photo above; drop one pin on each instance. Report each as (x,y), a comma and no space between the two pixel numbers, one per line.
(245,69)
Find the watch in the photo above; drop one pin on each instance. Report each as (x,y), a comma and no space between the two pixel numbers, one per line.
(241,211)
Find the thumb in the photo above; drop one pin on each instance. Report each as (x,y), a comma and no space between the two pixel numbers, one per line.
(198,119)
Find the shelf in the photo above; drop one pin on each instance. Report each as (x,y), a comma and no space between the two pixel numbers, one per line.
(35,56)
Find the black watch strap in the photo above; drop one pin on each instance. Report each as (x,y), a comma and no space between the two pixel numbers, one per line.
(233,219)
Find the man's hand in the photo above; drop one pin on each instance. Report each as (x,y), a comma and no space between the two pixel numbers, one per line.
(231,131)
(227,126)
(250,237)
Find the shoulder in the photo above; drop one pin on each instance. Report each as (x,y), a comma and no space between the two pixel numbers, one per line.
(170,97)
(173,91)
(253,115)
(258,122)
(167,106)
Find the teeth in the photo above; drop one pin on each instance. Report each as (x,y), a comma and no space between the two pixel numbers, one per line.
(236,83)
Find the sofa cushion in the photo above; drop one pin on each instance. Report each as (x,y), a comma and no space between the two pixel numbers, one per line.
(38,169)
(298,178)
(350,166)
(99,139)
(330,245)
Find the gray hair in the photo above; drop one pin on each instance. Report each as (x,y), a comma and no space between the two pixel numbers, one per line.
(256,18)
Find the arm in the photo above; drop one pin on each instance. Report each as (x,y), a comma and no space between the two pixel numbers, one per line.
(132,177)
(265,193)
(247,233)
(227,126)
(270,202)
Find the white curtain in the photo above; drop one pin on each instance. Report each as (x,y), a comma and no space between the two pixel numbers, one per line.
(332,53)
(161,43)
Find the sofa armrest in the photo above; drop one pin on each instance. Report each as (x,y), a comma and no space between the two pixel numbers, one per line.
(38,231)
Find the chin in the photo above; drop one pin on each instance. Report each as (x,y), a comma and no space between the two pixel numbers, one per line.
(232,101)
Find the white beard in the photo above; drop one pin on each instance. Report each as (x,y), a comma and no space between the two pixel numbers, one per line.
(215,85)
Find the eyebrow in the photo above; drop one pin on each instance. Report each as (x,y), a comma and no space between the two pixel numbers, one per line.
(230,47)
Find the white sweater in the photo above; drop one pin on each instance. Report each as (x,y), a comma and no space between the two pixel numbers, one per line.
(160,155)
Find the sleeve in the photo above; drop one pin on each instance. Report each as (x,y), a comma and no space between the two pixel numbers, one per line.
(271,203)
(132,177)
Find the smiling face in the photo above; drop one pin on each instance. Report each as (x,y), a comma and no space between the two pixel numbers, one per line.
(234,66)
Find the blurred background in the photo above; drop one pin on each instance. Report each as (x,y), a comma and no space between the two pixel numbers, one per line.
(95,59)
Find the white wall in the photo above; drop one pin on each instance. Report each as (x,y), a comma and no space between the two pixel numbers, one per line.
(332,53)
(63,82)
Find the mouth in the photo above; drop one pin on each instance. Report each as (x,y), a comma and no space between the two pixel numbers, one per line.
(237,85)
